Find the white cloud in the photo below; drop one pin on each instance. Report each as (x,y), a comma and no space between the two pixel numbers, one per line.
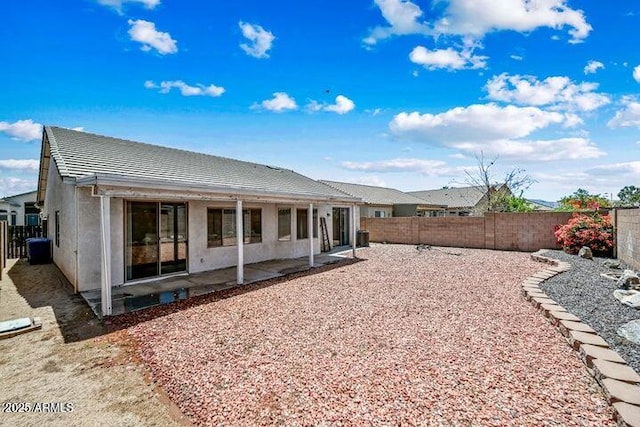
(279,103)
(479,121)
(25,130)
(447,58)
(374,112)
(261,40)
(424,167)
(117,4)
(11,185)
(26,164)
(78,128)
(593,66)
(629,116)
(402,17)
(371,180)
(479,17)
(495,130)
(630,169)
(535,150)
(555,92)
(476,18)
(342,105)
(145,32)
(636,73)
(185,89)
(516,57)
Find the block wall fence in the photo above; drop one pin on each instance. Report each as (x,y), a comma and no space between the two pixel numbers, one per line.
(627,223)
(502,231)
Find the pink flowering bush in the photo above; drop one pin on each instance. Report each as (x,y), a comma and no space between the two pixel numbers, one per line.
(594,231)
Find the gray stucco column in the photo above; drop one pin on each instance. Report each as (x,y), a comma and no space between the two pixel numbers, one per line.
(240,243)
(311,228)
(353,229)
(105,267)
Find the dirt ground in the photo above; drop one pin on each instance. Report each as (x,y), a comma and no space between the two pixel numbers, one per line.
(71,360)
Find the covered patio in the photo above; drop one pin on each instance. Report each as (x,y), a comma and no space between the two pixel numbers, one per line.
(125,299)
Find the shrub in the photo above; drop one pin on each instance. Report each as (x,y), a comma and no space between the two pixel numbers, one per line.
(594,231)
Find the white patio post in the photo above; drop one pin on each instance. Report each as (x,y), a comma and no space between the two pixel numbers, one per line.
(240,243)
(353,229)
(105,234)
(311,228)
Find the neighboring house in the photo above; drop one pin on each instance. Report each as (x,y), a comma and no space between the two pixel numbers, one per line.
(121,212)
(20,209)
(382,202)
(459,201)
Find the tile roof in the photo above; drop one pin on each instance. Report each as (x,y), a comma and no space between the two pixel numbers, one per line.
(374,195)
(81,154)
(460,197)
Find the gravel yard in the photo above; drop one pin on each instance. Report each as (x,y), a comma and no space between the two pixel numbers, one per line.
(405,337)
(588,295)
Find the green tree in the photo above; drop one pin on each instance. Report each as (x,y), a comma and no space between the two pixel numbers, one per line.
(581,199)
(629,196)
(517,204)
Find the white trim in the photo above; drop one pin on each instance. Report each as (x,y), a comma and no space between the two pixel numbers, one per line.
(240,243)
(105,277)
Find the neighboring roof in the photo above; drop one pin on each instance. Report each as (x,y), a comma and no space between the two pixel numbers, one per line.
(9,199)
(543,204)
(374,195)
(20,195)
(460,197)
(81,154)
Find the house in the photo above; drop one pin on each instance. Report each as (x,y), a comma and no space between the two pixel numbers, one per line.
(20,209)
(120,212)
(459,201)
(382,202)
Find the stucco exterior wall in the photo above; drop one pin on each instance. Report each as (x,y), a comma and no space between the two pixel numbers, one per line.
(80,231)
(202,258)
(60,197)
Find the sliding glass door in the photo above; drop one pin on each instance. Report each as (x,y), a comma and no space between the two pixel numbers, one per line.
(156,239)
(173,237)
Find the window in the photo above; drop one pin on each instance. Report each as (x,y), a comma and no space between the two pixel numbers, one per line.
(253,233)
(315,223)
(221,226)
(378,214)
(284,224)
(302,225)
(31,219)
(57,226)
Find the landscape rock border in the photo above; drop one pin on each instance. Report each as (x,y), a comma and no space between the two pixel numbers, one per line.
(620,383)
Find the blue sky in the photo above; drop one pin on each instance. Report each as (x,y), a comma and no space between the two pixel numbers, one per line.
(396,93)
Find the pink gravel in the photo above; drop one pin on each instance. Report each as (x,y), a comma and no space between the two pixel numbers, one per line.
(403,338)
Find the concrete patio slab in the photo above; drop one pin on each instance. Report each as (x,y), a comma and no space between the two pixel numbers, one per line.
(165,290)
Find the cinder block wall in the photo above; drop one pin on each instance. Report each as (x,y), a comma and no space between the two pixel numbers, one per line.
(627,223)
(503,231)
